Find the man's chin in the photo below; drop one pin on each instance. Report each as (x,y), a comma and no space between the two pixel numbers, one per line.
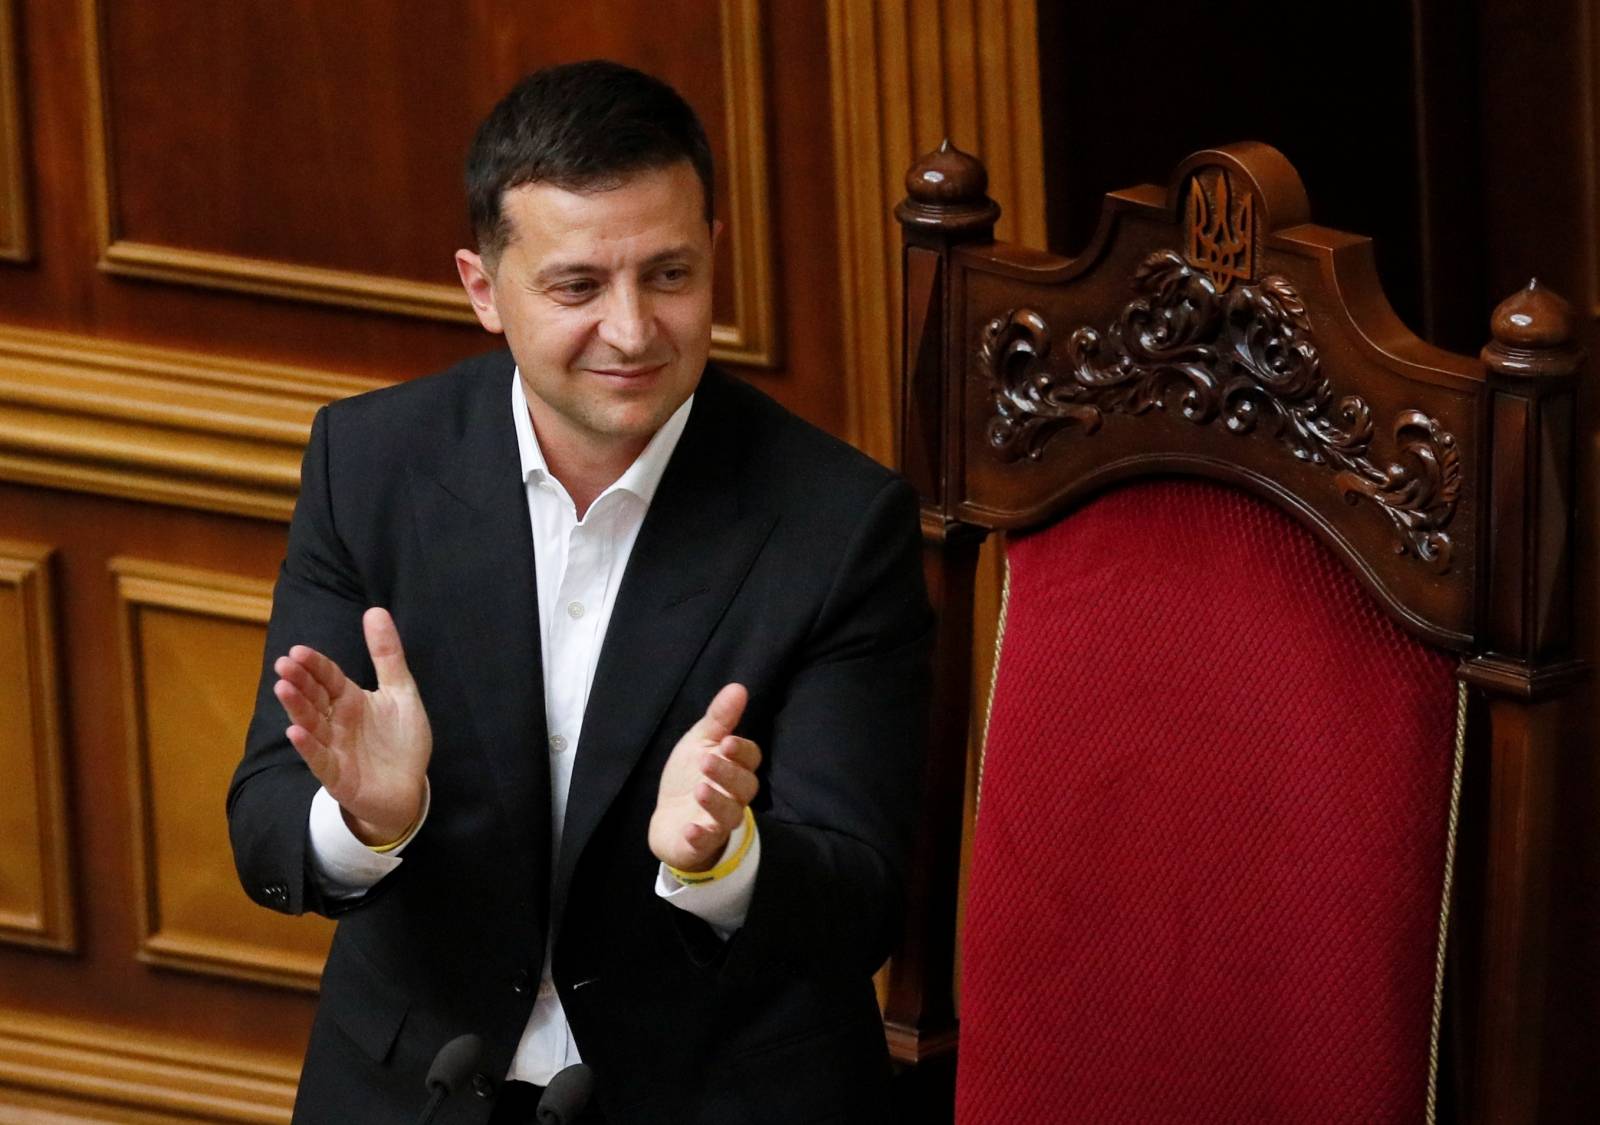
(631,425)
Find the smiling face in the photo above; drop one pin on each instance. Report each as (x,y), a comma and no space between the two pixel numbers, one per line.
(605,300)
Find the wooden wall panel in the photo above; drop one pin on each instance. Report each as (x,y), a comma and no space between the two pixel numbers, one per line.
(15,236)
(191,645)
(905,76)
(35,869)
(350,215)
(102,1034)
(161,419)
(778,297)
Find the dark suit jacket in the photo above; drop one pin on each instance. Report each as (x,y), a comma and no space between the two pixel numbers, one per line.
(772,555)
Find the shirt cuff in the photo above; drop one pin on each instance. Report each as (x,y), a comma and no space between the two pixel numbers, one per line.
(343,864)
(721,903)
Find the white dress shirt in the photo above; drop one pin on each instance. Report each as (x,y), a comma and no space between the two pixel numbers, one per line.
(578,566)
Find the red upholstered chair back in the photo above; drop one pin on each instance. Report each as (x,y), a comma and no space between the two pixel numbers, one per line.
(1210,849)
(1264,545)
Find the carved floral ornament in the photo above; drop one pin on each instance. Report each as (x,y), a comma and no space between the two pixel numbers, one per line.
(1245,359)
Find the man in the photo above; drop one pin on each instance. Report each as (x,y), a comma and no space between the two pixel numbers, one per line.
(603,677)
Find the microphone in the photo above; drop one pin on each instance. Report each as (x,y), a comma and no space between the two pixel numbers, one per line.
(566,1096)
(450,1068)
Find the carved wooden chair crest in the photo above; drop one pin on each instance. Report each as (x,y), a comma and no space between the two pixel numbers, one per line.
(1263,818)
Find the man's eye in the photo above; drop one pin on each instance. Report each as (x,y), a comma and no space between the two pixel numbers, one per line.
(577,290)
(672,276)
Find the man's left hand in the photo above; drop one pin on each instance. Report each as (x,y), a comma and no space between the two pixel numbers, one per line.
(706,785)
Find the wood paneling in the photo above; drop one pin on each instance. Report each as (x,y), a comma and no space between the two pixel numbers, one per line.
(58,1073)
(191,651)
(35,868)
(900,85)
(163,422)
(105,983)
(750,335)
(15,239)
(157,423)
(356,125)
(248,207)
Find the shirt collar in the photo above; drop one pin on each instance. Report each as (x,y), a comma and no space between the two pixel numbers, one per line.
(641,478)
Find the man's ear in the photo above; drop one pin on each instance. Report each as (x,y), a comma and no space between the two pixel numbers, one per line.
(716,233)
(478,281)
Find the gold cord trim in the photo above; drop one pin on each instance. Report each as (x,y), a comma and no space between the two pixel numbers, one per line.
(994,671)
(1434,1030)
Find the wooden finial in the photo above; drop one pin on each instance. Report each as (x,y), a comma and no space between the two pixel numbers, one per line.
(1534,332)
(947,189)
(1533,317)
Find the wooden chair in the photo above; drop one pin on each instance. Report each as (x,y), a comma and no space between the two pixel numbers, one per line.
(1263,824)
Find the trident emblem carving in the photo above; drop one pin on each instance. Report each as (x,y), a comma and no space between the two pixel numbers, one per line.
(1221,231)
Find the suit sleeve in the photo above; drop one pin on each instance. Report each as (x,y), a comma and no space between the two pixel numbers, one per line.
(318,601)
(845,761)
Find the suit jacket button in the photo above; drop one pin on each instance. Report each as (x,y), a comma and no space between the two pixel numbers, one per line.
(520,981)
(482,1085)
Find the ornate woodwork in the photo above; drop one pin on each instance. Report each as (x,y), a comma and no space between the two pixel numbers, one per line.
(1211,329)
(1234,358)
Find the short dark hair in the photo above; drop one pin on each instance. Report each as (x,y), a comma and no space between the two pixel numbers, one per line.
(581,126)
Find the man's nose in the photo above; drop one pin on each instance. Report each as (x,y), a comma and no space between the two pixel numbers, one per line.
(627,323)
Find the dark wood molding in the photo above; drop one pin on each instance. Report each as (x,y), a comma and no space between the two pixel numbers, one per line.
(16,233)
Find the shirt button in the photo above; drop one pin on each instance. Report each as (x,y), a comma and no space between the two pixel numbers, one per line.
(574,610)
(483,1085)
(558,744)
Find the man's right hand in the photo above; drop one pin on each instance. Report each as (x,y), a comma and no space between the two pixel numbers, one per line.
(370,749)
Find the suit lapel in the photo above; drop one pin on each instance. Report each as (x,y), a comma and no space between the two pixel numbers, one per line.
(696,545)
(472,517)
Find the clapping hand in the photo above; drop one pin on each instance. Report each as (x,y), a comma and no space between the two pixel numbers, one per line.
(706,785)
(369,749)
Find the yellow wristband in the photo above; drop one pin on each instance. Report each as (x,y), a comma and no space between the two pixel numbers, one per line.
(411,829)
(729,862)
(384,849)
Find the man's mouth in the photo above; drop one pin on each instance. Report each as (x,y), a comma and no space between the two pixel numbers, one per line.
(628,372)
